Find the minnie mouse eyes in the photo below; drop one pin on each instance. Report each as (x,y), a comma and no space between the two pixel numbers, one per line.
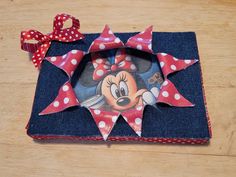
(123,88)
(119,92)
(115,91)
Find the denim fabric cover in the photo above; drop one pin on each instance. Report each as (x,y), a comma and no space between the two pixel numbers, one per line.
(165,121)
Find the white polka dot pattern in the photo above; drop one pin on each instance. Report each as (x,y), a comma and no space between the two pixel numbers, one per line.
(142,41)
(65,98)
(103,67)
(170,95)
(107,40)
(170,64)
(106,120)
(40,48)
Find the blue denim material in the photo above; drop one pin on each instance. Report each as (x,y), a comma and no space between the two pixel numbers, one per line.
(165,121)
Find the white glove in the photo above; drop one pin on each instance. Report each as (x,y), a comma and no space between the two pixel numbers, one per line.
(148,98)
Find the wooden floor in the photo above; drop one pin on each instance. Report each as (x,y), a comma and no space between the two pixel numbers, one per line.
(215,25)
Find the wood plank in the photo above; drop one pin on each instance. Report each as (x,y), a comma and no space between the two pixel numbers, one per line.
(64,160)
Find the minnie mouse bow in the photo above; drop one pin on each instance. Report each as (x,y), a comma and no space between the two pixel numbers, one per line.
(103,67)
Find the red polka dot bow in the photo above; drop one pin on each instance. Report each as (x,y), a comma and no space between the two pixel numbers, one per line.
(40,48)
(103,67)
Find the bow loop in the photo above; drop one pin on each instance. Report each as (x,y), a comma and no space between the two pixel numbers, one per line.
(103,67)
(31,40)
(41,42)
(66,34)
(60,19)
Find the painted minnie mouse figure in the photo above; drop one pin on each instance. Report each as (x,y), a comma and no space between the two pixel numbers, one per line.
(118,83)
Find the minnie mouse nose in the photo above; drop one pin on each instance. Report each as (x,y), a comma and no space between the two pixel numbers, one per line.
(113,67)
(123,101)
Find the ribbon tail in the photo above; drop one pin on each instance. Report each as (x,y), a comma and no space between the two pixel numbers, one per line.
(39,54)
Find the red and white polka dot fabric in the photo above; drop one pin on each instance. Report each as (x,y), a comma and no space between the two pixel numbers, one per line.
(169,64)
(105,120)
(66,96)
(59,33)
(107,40)
(171,96)
(168,93)
(134,118)
(189,141)
(67,62)
(142,41)
(103,67)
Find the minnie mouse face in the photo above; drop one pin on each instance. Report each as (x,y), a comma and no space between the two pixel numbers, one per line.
(116,84)
(121,91)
